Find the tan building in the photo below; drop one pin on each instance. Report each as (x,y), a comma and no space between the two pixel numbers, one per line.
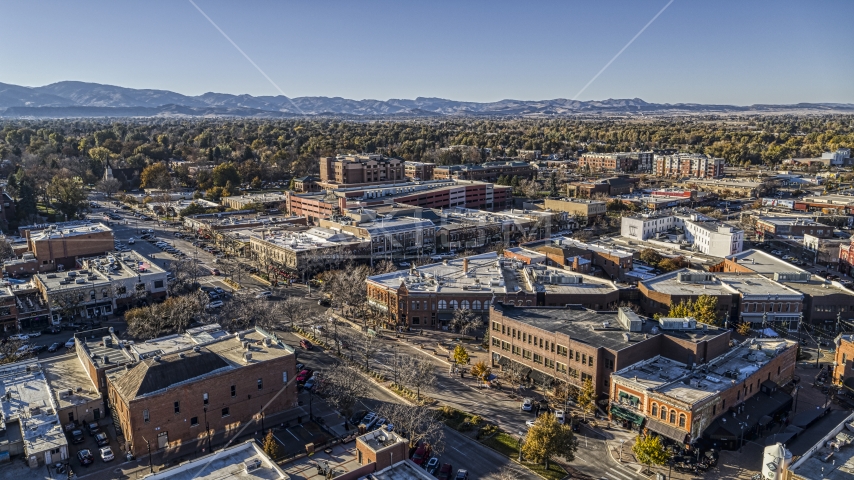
(355,170)
(689,165)
(419,171)
(57,247)
(586,210)
(284,253)
(616,162)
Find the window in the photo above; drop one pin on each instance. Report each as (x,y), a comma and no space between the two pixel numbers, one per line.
(177,407)
(654,410)
(454,304)
(609,364)
(561,368)
(496,342)
(233,391)
(465,305)
(590,360)
(663,413)
(158,284)
(672,416)
(505,346)
(225,412)
(516,350)
(194,422)
(584,359)
(443,304)
(92,295)
(145,417)
(524,337)
(526,354)
(561,350)
(260,384)
(495,326)
(682,420)
(475,305)
(205,398)
(577,354)
(538,358)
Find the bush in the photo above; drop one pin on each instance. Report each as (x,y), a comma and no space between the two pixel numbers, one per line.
(476,419)
(465,426)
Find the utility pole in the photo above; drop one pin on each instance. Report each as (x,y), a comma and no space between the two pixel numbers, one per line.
(150,468)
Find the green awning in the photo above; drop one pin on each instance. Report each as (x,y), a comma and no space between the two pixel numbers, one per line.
(620,412)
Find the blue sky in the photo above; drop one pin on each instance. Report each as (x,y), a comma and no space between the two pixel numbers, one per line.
(721,51)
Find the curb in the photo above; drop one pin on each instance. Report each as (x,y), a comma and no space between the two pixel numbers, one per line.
(265,282)
(513,460)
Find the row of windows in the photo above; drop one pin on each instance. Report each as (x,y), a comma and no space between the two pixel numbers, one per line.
(548,345)
(465,305)
(146,417)
(672,415)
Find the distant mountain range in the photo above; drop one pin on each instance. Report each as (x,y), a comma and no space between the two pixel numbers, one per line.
(80,99)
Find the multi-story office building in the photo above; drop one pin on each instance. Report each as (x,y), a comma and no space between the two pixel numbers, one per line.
(689,165)
(617,162)
(485,172)
(419,171)
(572,344)
(353,170)
(284,253)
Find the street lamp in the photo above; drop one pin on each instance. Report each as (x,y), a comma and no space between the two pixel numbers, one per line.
(520,445)
(150,468)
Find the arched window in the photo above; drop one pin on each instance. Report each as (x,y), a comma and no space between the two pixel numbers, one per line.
(104,293)
(486,304)
(654,410)
(527,302)
(475,305)
(92,294)
(464,305)
(443,304)
(682,420)
(663,413)
(454,304)
(673,416)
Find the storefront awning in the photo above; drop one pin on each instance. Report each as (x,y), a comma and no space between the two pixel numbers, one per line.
(626,414)
(669,431)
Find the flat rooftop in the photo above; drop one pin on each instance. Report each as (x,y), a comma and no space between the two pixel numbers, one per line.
(103,353)
(688,282)
(59,231)
(312,239)
(756,285)
(596,328)
(790,221)
(405,470)
(31,405)
(676,380)
(65,373)
(179,341)
(830,462)
(101,271)
(763,263)
(245,461)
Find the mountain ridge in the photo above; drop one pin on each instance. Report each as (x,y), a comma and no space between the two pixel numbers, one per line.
(83,99)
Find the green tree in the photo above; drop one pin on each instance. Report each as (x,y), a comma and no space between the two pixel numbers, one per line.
(292,184)
(271,446)
(587,397)
(675,263)
(547,438)
(681,310)
(705,310)
(461,356)
(650,256)
(650,451)
(12,184)
(157,176)
(224,173)
(67,194)
(26,206)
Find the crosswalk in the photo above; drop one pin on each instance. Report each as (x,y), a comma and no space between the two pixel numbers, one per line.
(617,474)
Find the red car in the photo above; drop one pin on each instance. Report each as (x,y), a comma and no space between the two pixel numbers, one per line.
(303,376)
(305,344)
(422,454)
(445,472)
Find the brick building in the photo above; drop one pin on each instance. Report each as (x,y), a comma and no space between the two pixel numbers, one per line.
(419,171)
(770,227)
(368,169)
(580,257)
(684,401)
(843,372)
(585,210)
(611,187)
(573,344)
(485,172)
(617,162)
(427,296)
(52,247)
(182,389)
(8,312)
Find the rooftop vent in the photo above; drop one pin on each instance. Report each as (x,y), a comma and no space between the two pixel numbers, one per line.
(197,349)
(247,357)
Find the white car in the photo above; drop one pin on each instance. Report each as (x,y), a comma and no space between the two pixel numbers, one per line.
(264,294)
(530,423)
(527,405)
(560,415)
(20,336)
(35,334)
(214,305)
(131,241)
(107,454)
(70,343)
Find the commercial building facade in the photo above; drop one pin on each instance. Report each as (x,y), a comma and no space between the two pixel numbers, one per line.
(585,209)
(689,165)
(360,170)
(57,247)
(617,162)
(485,172)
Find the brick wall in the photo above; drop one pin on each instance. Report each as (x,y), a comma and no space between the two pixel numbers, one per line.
(242,407)
(844,361)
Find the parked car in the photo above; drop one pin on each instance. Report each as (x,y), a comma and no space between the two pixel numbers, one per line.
(102,439)
(53,347)
(214,271)
(131,241)
(369,419)
(527,405)
(462,475)
(20,337)
(445,472)
(422,454)
(77,436)
(85,457)
(93,428)
(560,415)
(433,465)
(70,343)
(107,454)
(303,376)
(309,384)
(305,344)
(214,305)
(264,294)
(357,417)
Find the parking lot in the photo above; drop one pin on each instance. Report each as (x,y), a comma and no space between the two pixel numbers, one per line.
(293,439)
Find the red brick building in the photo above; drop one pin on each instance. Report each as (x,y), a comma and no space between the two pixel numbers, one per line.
(183,395)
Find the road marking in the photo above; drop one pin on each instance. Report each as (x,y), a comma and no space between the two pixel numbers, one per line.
(292,434)
(617,472)
(457,449)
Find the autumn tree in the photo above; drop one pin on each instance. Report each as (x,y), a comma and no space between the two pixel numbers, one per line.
(480,370)
(67,195)
(650,256)
(461,356)
(650,451)
(548,438)
(156,176)
(703,309)
(675,263)
(271,445)
(587,397)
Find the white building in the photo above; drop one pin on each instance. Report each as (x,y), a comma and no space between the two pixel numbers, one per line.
(28,406)
(704,234)
(837,158)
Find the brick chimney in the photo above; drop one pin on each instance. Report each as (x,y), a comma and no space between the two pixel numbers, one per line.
(465,265)
(575,264)
(342,204)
